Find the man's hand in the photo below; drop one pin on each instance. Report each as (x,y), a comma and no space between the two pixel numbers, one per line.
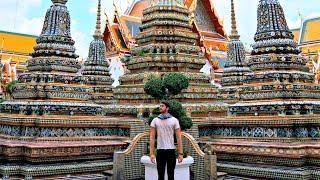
(153,159)
(180,158)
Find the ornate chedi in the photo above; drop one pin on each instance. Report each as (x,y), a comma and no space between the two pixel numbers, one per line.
(236,70)
(273,131)
(50,128)
(96,68)
(166,44)
(120,33)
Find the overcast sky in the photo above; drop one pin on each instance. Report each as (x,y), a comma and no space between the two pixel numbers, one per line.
(26,16)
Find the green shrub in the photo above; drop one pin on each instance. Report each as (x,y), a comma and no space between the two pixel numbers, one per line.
(175,83)
(154,87)
(176,109)
(185,122)
(167,86)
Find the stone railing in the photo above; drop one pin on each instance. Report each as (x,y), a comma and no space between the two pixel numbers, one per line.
(126,164)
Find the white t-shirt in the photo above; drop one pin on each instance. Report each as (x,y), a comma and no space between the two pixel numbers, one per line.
(165,132)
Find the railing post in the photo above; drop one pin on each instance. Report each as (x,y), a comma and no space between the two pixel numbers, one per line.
(118,165)
(210,163)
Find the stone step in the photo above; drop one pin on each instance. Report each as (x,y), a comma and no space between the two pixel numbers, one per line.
(83,177)
(245,170)
(221,175)
(108,174)
(237,178)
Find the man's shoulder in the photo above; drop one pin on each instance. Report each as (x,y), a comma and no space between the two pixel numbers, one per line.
(154,120)
(174,119)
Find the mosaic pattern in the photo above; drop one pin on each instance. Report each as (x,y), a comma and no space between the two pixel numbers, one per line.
(202,17)
(62,132)
(41,108)
(277,107)
(280,161)
(299,132)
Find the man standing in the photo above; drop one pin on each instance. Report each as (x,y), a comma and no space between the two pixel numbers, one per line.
(165,125)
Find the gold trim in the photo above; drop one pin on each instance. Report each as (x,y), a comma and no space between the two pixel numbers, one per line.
(134,142)
(194,144)
(138,137)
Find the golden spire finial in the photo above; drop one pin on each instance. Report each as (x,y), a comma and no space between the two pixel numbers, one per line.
(106,15)
(115,7)
(234,33)
(97,32)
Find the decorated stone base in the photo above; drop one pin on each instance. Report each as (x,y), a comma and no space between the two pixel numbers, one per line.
(182,170)
(73,170)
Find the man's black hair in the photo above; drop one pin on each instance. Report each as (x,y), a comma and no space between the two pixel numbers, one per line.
(165,103)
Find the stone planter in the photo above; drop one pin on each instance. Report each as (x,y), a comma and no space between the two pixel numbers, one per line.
(182,170)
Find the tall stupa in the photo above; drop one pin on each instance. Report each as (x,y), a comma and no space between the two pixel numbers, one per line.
(96,68)
(51,129)
(236,70)
(273,131)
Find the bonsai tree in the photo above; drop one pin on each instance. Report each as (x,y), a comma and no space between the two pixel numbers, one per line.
(165,88)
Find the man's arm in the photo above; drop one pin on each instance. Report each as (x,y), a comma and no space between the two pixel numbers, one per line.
(151,147)
(180,147)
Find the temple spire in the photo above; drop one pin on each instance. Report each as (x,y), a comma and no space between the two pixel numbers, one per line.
(59,1)
(97,32)
(234,33)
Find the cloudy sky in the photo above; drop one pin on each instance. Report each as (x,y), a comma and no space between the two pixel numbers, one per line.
(26,16)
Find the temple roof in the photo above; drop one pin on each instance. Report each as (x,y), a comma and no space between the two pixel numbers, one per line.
(114,35)
(131,20)
(136,8)
(12,40)
(310,31)
(210,11)
(11,48)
